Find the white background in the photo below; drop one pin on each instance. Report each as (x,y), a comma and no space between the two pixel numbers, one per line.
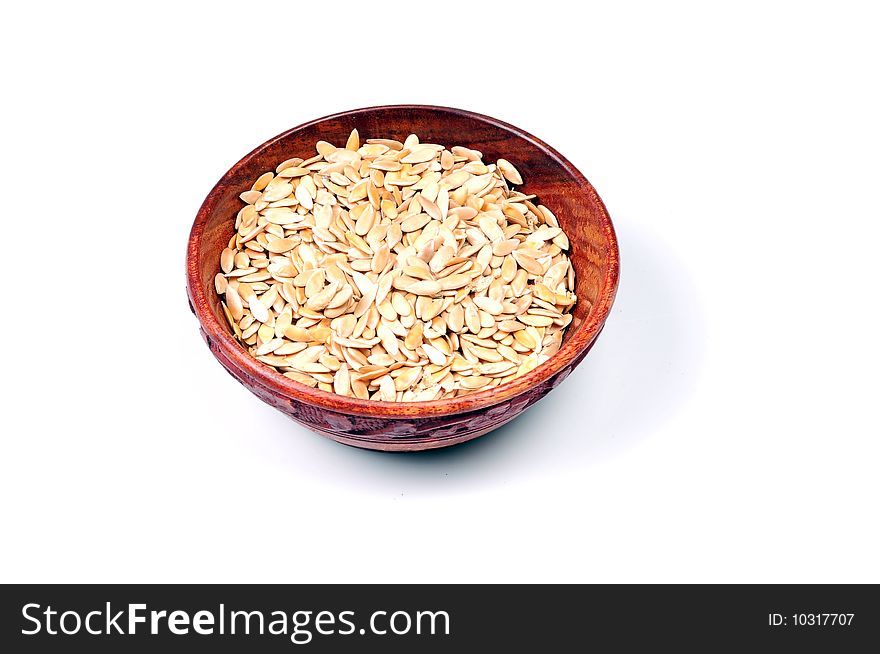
(724,428)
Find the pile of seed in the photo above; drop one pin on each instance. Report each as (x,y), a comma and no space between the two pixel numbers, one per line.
(396,271)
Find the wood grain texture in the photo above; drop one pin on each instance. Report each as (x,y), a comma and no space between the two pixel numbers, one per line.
(415,425)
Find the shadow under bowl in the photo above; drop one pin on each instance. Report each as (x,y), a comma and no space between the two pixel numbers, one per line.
(414,425)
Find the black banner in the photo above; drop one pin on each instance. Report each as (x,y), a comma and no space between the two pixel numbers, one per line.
(436,618)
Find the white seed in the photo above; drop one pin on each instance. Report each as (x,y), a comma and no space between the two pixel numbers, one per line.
(434,355)
(258,309)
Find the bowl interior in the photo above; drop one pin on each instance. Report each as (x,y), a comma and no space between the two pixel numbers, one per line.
(555,182)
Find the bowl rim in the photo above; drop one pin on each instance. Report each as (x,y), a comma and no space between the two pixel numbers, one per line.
(289,389)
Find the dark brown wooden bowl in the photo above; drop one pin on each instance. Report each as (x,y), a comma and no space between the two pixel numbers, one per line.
(414,425)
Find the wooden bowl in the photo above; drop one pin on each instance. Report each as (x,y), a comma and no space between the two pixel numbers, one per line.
(413,425)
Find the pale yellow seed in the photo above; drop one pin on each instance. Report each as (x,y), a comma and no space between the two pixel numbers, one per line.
(424,287)
(536,321)
(280,245)
(233,301)
(277,191)
(472,318)
(354,141)
(387,390)
(419,155)
(489,226)
(324,148)
(227,260)
(389,340)
(524,338)
(220,284)
(414,336)
(434,355)
(342,381)
(249,197)
(510,173)
(489,305)
(262,181)
(473,383)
